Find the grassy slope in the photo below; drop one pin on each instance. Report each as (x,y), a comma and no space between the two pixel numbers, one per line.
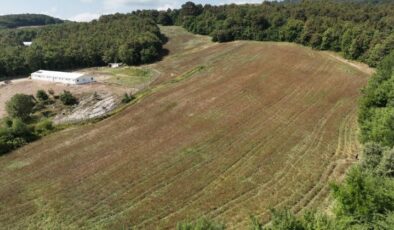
(227,130)
(129,76)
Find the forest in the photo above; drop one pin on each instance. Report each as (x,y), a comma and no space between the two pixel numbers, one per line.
(21,20)
(122,38)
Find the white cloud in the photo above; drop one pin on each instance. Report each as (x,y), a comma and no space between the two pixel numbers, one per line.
(113,4)
(141,4)
(240,1)
(87,1)
(85,17)
(159,4)
(167,6)
(51,11)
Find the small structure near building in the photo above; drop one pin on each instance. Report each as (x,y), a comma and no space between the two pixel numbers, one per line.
(62,77)
(115,65)
(27,43)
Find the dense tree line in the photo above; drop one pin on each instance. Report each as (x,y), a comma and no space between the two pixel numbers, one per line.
(360,30)
(20,20)
(114,38)
(376,116)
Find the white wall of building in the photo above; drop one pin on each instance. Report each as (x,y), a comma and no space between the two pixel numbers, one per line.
(62,77)
(84,80)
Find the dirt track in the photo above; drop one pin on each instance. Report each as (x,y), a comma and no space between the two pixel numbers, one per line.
(257,126)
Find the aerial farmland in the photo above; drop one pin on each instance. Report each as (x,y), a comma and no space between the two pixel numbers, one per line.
(213,115)
(246,126)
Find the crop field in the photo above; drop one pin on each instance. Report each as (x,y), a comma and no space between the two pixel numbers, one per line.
(225,131)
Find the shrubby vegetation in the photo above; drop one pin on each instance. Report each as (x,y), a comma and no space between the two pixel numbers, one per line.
(20,106)
(41,95)
(67,98)
(19,20)
(376,116)
(113,38)
(127,98)
(14,133)
(29,118)
(200,224)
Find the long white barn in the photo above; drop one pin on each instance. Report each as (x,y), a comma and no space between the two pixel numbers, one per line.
(62,77)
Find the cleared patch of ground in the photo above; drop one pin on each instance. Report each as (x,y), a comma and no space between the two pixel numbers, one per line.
(28,86)
(225,131)
(134,78)
(90,107)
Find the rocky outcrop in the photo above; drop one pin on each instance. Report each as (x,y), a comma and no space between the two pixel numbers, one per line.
(91,107)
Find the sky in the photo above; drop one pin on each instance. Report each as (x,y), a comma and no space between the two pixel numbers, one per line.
(86,10)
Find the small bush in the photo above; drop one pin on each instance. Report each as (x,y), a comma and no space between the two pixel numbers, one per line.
(285,220)
(96,96)
(67,98)
(201,224)
(41,95)
(51,92)
(371,156)
(44,127)
(14,135)
(255,224)
(282,220)
(7,122)
(127,98)
(386,166)
(40,106)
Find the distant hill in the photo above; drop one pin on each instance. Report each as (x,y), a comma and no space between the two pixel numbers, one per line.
(19,20)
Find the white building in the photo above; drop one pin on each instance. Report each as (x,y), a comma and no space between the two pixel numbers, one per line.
(62,77)
(115,65)
(27,43)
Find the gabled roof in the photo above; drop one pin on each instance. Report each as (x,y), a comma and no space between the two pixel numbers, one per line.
(59,74)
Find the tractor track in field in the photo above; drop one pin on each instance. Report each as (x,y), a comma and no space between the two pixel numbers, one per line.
(168,182)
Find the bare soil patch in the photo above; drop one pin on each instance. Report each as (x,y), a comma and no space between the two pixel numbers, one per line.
(28,86)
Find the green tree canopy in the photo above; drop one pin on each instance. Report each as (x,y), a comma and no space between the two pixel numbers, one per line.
(20,106)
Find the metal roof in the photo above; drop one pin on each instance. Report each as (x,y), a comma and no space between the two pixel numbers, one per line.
(59,74)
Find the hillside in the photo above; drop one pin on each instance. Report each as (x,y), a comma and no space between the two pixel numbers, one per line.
(122,38)
(226,131)
(22,20)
